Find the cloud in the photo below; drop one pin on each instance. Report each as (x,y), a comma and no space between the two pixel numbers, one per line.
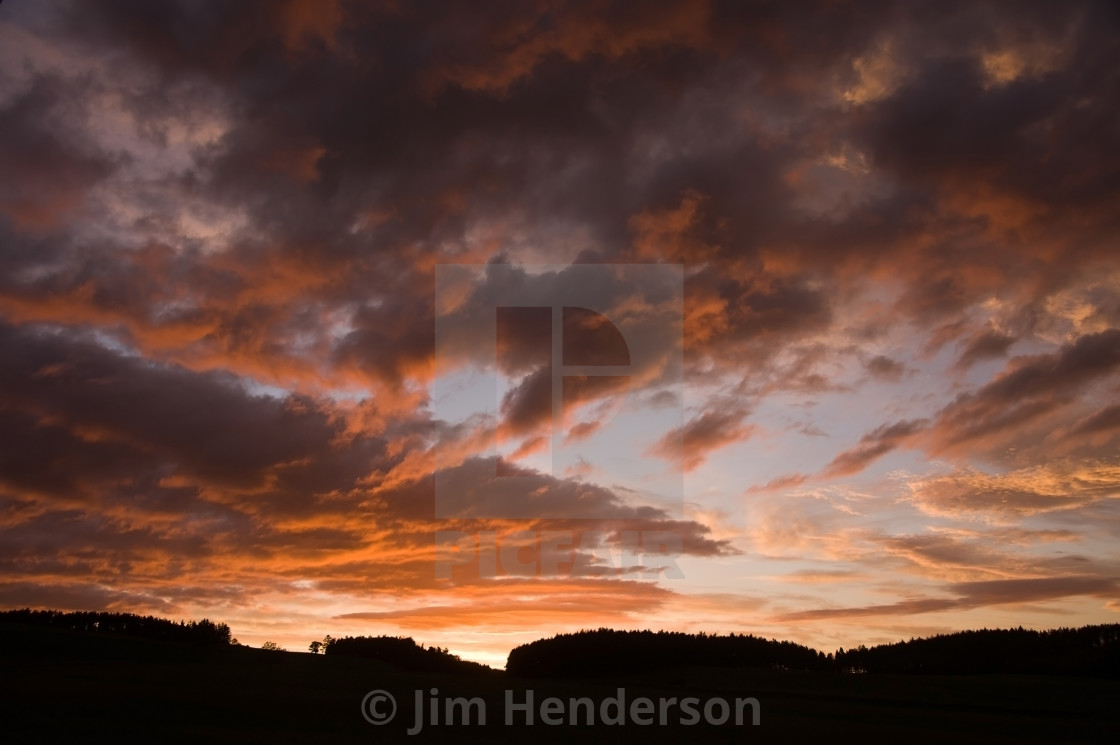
(984,346)
(206,423)
(884,368)
(873,446)
(969,595)
(512,51)
(1059,485)
(1028,389)
(551,604)
(528,405)
(1104,421)
(50,171)
(713,429)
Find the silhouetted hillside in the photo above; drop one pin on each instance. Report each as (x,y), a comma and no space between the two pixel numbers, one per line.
(126,624)
(71,677)
(1090,650)
(69,686)
(607,652)
(404,653)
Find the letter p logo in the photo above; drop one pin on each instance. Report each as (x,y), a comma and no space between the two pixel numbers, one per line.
(554,384)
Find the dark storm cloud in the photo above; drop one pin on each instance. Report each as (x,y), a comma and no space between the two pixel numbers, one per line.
(48,172)
(48,459)
(343,133)
(206,422)
(952,118)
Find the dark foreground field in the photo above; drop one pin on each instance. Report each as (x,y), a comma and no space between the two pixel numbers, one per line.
(61,686)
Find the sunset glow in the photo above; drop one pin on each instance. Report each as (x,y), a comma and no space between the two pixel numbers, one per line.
(882,399)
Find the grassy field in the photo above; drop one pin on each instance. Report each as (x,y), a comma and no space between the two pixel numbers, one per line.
(69,687)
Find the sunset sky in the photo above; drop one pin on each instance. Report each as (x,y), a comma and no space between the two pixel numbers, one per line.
(882,399)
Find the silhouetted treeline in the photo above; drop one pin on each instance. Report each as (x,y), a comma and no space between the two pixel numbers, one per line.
(607,652)
(1090,650)
(204,632)
(402,652)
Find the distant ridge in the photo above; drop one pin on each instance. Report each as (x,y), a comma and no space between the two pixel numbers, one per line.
(607,652)
(1086,651)
(1090,650)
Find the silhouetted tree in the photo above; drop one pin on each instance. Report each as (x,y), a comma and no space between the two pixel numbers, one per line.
(403,652)
(204,632)
(1090,650)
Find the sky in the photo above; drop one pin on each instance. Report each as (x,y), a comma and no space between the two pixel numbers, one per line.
(433,319)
